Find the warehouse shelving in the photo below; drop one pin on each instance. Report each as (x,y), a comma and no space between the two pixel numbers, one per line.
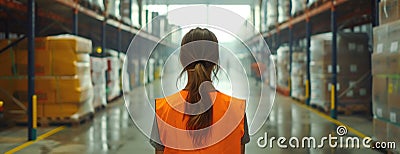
(315,20)
(31,18)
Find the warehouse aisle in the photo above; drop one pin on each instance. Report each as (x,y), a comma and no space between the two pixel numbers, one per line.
(112,131)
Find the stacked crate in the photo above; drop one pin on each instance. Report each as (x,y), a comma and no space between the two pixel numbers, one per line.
(386,73)
(283,69)
(353,68)
(298,74)
(99,67)
(62,83)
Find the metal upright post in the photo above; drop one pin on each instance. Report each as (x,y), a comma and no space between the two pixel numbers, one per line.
(31,72)
(103,37)
(375,12)
(290,59)
(75,21)
(119,39)
(308,83)
(334,58)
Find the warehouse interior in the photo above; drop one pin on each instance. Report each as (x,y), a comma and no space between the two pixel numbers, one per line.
(76,76)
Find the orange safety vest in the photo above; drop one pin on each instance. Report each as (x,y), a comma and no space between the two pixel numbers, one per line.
(225,134)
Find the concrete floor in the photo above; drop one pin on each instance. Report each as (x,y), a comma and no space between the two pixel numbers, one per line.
(112,131)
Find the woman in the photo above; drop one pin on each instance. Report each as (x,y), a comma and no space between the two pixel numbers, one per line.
(199,119)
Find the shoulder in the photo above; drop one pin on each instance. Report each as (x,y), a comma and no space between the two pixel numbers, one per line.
(229,98)
(171,100)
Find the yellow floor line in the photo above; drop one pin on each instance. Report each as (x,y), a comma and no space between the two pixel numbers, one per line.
(41,137)
(338,123)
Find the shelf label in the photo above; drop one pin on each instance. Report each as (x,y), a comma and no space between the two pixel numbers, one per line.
(379,48)
(394,46)
(393,117)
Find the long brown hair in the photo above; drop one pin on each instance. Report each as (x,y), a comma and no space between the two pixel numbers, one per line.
(199,71)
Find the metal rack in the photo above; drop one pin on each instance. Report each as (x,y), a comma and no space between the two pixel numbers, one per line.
(314,20)
(25,17)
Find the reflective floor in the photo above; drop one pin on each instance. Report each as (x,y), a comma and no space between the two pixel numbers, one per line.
(112,131)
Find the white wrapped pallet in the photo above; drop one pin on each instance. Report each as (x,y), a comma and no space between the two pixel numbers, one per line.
(298,6)
(272,71)
(283,10)
(98,64)
(272,13)
(311,2)
(283,66)
(113,83)
(113,8)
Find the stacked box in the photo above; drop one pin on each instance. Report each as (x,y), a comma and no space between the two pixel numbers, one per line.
(59,81)
(272,71)
(389,11)
(283,67)
(113,7)
(272,13)
(386,69)
(299,74)
(353,80)
(95,4)
(298,6)
(99,67)
(283,10)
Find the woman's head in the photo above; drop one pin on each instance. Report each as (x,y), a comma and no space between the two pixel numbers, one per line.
(199,46)
(199,56)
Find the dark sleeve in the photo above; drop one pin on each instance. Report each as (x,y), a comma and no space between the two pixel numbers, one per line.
(155,136)
(246,136)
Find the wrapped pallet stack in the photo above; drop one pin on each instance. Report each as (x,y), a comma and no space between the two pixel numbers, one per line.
(112,8)
(272,13)
(283,69)
(298,6)
(99,67)
(353,79)
(386,73)
(96,5)
(63,82)
(113,77)
(284,10)
(298,74)
(272,71)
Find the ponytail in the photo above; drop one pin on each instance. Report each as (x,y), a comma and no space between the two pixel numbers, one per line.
(199,74)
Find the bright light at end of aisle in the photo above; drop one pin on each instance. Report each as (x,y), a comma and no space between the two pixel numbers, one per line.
(210,14)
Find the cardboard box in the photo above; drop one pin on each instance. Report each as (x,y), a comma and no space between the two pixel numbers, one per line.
(60,109)
(6,58)
(54,55)
(349,68)
(393,133)
(74,89)
(389,11)
(380,97)
(386,38)
(380,63)
(380,129)
(393,98)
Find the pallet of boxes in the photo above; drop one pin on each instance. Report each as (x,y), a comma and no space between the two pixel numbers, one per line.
(62,80)
(282,69)
(386,73)
(353,73)
(98,73)
(298,74)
